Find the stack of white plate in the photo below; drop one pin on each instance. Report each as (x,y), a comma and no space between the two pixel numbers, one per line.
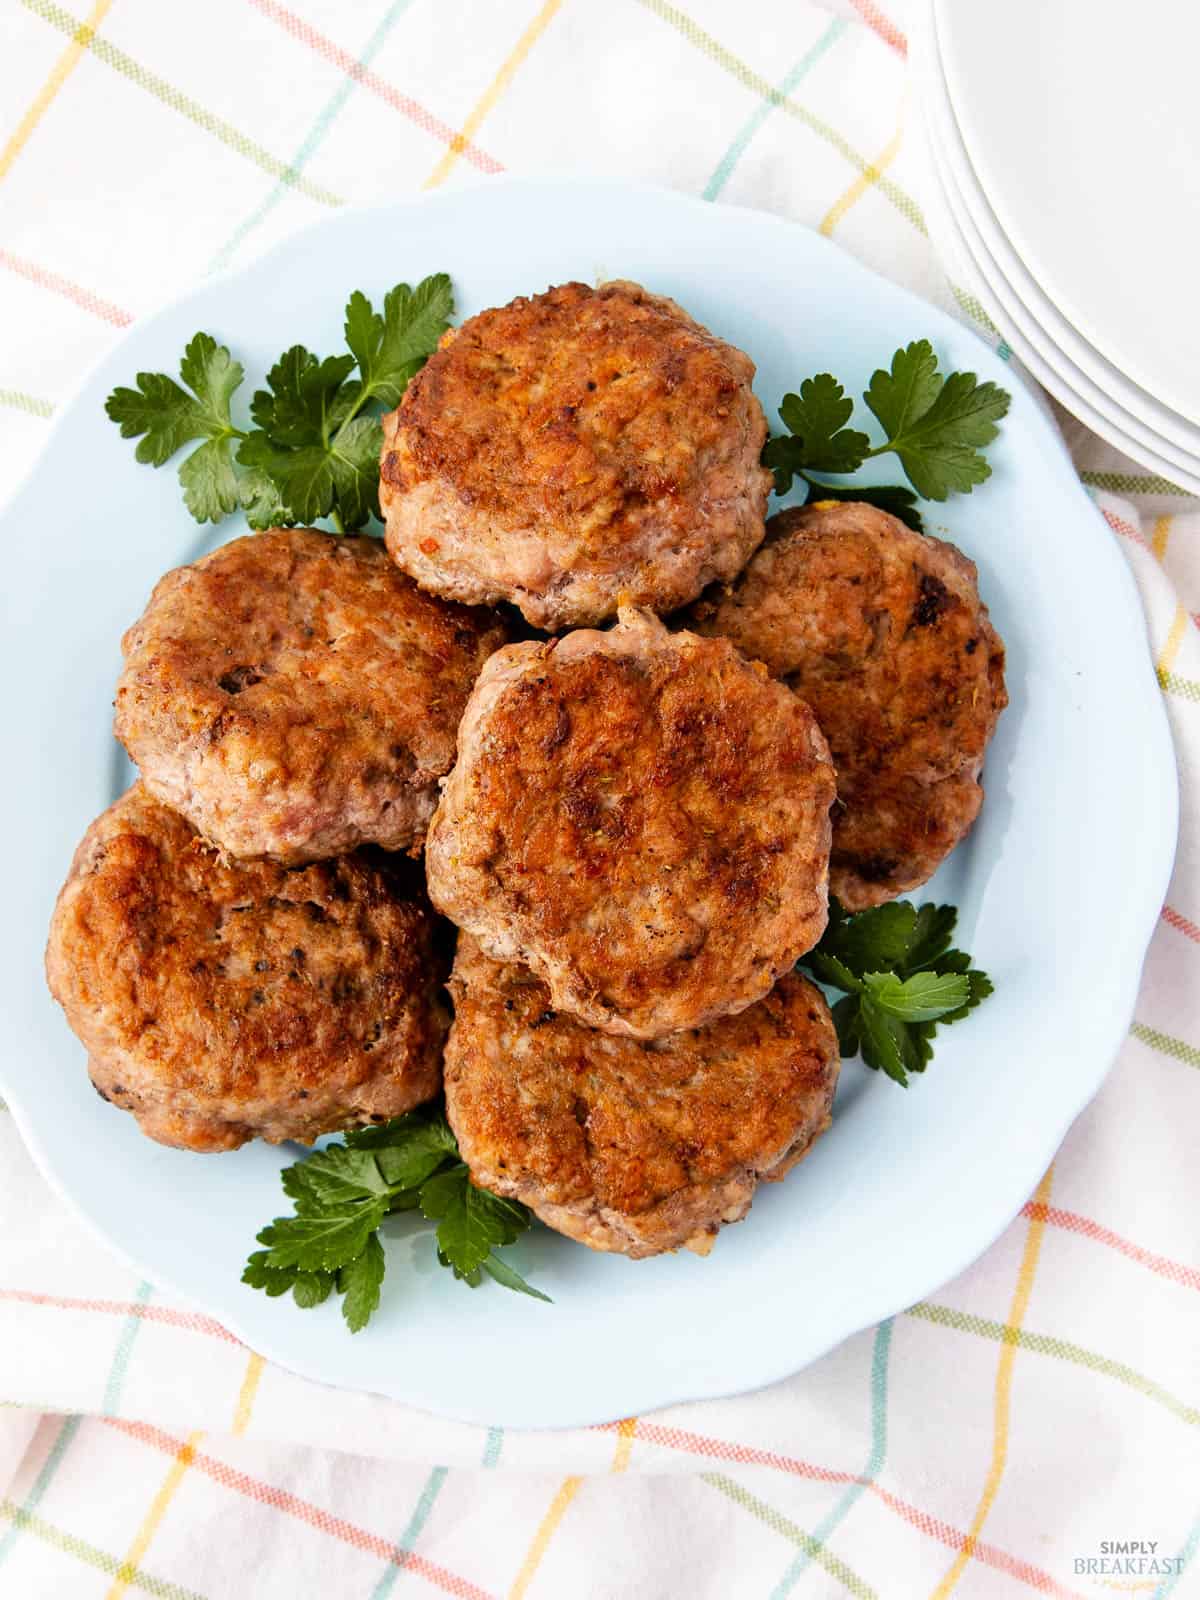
(1064,146)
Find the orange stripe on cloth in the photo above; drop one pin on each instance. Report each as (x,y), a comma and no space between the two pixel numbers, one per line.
(334,53)
(493,94)
(193,1321)
(883,26)
(745,1455)
(59,73)
(70,291)
(1004,1372)
(626,1434)
(266,1494)
(1182,924)
(567,1491)
(127,1572)
(1072,1222)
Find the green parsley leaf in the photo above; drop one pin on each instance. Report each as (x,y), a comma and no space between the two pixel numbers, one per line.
(294,409)
(900,982)
(354,464)
(158,408)
(169,417)
(313,1288)
(360,1281)
(343,1193)
(937,426)
(209,479)
(274,1281)
(322,1241)
(314,449)
(302,478)
(332,1179)
(924,997)
(392,348)
(496,1267)
(816,420)
(470,1221)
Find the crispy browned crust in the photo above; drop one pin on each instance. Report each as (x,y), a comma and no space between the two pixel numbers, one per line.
(220,1001)
(574,447)
(883,632)
(627,1146)
(640,817)
(295,695)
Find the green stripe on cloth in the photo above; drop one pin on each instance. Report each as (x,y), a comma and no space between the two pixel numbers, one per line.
(824,1529)
(41,1483)
(70,1545)
(1179,1048)
(491,1449)
(723,170)
(168,95)
(785,1526)
(17,400)
(324,121)
(972,307)
(120,1365)
(409,1537)
(750,79)
(1172,683)
(1062,1349)
(1183,1556)
(1131,483)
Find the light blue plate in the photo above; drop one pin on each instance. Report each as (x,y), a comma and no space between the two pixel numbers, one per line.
(1059,885)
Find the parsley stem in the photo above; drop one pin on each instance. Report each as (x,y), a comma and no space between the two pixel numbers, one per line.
(335,518)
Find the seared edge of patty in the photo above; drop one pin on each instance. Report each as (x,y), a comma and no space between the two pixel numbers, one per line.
(623,1145)
(640,817)
(295,695)
(221,1001)
(573,448)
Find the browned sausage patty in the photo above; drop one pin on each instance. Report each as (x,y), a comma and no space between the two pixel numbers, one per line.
(295,695)
(628,1146)
(883,632)
(640,817)
(220,1001)
(574,447)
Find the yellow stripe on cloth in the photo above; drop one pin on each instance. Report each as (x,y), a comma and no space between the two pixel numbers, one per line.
(492,94)
(1170,650)
(128,1570)
(626,1434)
(249,1393)
(62,70)
(1158,539)
(546,1530)
(865,180)
(1004,1372)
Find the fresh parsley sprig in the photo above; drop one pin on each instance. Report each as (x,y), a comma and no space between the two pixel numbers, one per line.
(314,448)
(937,426)
(900,980)
(343,1194)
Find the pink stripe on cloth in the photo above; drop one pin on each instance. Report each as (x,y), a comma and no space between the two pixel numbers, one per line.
(334,53)
(304,1510)
(1189,1277)
(883,26)
(934,1527)
(45,279)
(193,1321)
(1176,919)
